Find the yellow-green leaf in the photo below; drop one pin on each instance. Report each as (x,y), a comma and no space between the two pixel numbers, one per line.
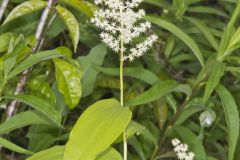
(69,82)
(71,23)
(25,8)
(54,153)
(96,129)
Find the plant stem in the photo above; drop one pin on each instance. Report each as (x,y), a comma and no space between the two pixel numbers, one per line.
(175,117)
(12,107)
(3,8)
(125,147)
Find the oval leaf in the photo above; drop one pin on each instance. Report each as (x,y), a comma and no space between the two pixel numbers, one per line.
(69,82)
(97,128)
(71,24)
(110,154)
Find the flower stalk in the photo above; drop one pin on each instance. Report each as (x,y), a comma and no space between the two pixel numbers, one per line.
(3,8)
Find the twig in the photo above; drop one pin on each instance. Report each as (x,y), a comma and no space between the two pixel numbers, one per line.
(11,108)
(3,8)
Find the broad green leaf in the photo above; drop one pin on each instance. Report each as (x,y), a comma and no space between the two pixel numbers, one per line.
(95,57)
(96,129)
(22,119)
(32,60)
(25,8)
(79,5)
(192,140)
(228,33)
(180,34)
(205,30)
(71,23)
(54,153)
(40,105)
(110,154)
(69,82)
(157,91)
(9,145)
(135,72)
(232,117)
(216,74)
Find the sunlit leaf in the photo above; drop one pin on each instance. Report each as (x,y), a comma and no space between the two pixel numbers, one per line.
(25,8)
(71,23)
(69,82)
(96,129)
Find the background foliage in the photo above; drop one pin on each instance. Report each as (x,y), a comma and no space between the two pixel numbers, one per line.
(187,86)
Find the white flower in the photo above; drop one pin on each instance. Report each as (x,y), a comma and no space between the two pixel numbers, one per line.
(181,150)
(121,24)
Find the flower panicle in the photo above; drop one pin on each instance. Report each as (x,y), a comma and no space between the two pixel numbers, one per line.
(120,22)
(181,150)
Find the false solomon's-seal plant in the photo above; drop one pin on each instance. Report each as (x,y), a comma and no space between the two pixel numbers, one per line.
(121,24)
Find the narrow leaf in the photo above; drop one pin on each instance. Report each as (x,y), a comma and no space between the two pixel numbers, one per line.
(32,60)
(180,34)
(9,145)
(232,118)
(22,120)
(135,72)
(40,105)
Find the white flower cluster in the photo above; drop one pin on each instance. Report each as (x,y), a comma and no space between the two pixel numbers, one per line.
(121,24)
(181,150)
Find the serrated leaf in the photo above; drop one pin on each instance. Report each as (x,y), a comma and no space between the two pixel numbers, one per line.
(96,129)
(69,82)
(71,23)
(22,119)
(232,117)
(40,105)
(54,153)
(9,145)
(25,8)
(180,34)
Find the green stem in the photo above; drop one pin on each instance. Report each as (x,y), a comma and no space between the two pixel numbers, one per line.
(121,90)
